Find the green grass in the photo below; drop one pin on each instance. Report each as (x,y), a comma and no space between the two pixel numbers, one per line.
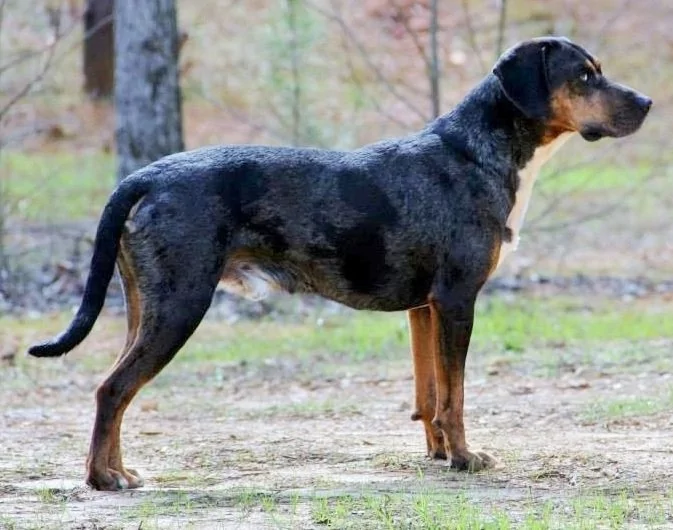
(513,325)
(449,510)
(590,177)
(524,321)
(50,496)
(629,407)
(56,187)
(357,335)
(307,409)
(529,327)
(427,509)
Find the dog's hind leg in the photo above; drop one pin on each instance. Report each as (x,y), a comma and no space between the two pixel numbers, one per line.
(161,333)
(171,295)
(131,291)
(422,351)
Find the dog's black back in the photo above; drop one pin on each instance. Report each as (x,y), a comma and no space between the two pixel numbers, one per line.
(368,228)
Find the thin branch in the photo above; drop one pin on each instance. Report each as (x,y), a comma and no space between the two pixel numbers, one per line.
(601,212)
(608,23)
(240,116)
(502,24)
(471,36)
(26,56)
(30,84)
(345,43)
(294,67)
(434,67)
(420,48)
(50,61)
(363,52)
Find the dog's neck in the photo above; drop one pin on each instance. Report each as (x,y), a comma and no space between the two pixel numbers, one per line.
(513,150)
(505,141)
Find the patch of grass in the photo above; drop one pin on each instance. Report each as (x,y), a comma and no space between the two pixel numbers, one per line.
(50,496)
(356,335)
(501,324)
(525,321)
(635,406)
(524,329)
(175,504)
(307,409)
(8,524)
(57,187)
(619,510)
(427,511)
(591,177)
(439,510)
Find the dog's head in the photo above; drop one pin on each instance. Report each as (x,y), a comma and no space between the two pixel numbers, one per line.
(559,83)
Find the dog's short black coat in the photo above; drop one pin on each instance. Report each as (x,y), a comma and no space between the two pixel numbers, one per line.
(413,223)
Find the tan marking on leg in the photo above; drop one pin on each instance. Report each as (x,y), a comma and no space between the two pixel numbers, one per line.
(131,295)
(422,345)
(449,399)
(449,378)
(105,457)
(132,300)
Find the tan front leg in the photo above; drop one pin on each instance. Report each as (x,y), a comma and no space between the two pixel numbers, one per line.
(422,345)
(451,330)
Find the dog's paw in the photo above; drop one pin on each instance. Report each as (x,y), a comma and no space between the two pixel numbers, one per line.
(472,462)
(112,480)
(133,478)
(438,453)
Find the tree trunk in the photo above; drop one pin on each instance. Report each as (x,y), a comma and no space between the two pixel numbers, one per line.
(98,48)
(147,91)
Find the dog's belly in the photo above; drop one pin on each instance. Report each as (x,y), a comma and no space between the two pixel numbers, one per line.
(256,282)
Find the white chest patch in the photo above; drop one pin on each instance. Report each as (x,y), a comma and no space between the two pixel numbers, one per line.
(527,177)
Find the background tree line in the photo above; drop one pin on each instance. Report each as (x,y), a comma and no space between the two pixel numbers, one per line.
(92,89)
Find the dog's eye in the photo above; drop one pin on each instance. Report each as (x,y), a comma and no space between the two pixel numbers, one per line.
(584,77)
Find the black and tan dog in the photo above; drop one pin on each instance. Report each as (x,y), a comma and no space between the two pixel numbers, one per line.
(416,223)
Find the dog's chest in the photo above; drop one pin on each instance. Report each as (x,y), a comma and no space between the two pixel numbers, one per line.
(527,177)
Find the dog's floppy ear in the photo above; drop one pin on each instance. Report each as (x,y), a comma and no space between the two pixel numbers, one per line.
(522,72)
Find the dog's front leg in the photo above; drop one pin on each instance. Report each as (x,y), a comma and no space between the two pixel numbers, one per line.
(422,352)
(452,315)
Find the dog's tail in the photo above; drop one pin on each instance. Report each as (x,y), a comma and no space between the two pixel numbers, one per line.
(106,247)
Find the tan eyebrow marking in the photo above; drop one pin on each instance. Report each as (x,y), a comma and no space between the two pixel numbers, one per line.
(594,66)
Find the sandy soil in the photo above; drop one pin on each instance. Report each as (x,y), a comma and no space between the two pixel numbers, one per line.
(203,436)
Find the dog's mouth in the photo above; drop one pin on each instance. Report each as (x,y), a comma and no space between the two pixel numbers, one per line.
(592,134)
(622,124)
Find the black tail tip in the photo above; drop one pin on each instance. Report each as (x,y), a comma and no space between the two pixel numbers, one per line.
(46,349)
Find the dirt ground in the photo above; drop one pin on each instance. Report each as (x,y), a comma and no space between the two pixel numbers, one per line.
(249,445)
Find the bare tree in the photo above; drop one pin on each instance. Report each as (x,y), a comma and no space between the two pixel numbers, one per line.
(433,72)
(147,90)
(294,67)
(502,26)
(98,48)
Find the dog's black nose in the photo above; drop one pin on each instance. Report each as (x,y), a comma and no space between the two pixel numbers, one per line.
(645,102)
